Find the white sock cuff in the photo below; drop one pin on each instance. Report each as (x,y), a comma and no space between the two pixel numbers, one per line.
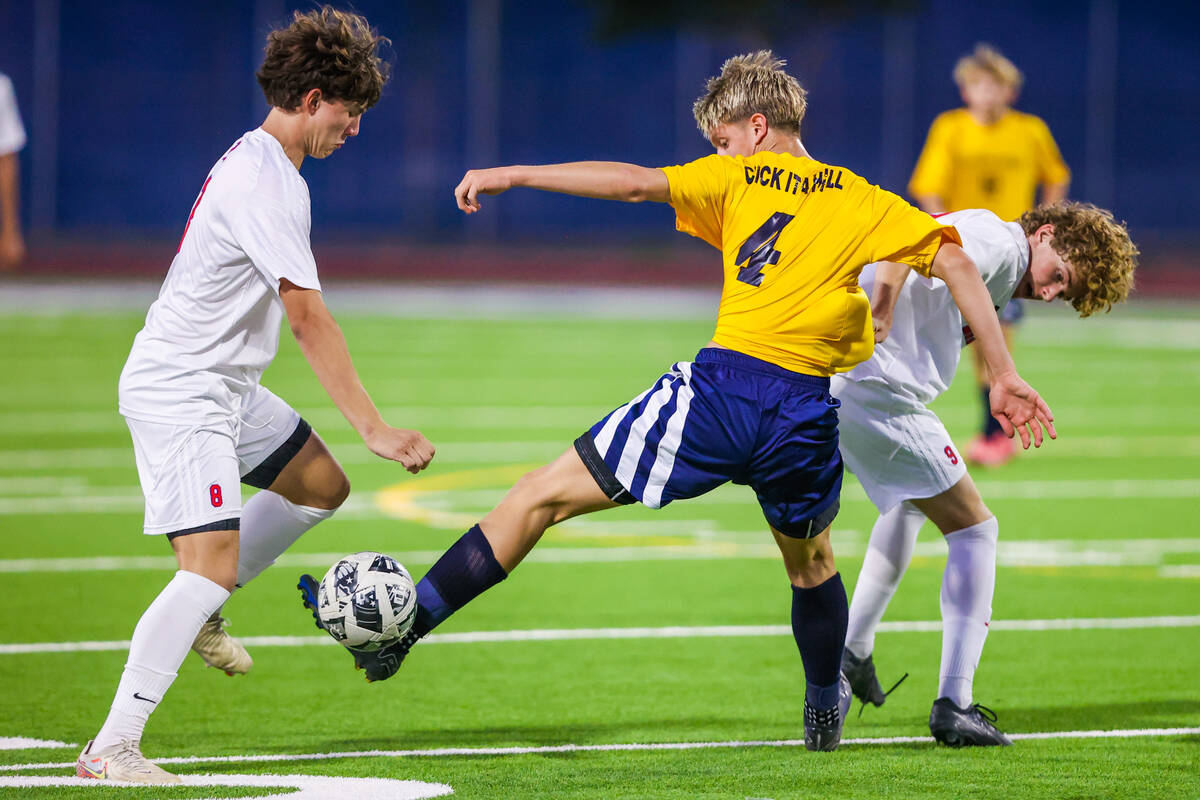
(309,515)
(988,530)
(150,683)
(206,593)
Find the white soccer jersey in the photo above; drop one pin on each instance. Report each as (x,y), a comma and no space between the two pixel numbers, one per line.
(919,357)
(215,325)
(12,132)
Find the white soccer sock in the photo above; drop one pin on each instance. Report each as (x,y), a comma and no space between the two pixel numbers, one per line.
(888,553)
(967,588)
(271,524)
(161,639)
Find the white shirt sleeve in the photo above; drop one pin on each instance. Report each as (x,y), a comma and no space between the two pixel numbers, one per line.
(276,239)
(12,132)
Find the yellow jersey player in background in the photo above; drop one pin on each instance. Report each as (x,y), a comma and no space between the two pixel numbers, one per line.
(987,155)
(754,407)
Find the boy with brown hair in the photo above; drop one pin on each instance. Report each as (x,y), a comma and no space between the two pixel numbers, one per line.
(903,455)
(190,392)
(988,155)
(754,407)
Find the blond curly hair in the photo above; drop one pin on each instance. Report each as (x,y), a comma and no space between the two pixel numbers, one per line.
(1096,245)
(754,83)
(988,61)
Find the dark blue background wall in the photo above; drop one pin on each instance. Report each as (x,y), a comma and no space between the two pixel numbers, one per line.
(129,102)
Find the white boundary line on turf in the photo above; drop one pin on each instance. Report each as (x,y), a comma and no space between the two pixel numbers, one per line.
(590,748)
(708,544)
(670,632)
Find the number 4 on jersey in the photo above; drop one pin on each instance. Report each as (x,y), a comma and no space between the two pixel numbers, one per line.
(759,251)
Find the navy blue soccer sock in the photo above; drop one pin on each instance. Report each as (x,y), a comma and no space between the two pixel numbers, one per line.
(465,571)
(990,425)
(819,619)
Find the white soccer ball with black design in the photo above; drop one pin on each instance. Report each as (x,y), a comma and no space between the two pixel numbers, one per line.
(367,600)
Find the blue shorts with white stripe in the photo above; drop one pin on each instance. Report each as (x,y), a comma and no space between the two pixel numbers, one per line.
(725,417)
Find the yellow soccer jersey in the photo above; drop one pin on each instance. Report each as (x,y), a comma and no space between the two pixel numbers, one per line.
(997,166)
(794,235)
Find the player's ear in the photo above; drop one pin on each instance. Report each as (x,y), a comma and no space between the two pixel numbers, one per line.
(758,127)
(312,101)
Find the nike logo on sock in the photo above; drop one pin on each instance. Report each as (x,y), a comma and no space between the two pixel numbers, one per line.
(147,699)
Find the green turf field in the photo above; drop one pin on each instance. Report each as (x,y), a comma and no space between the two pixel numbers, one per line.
(1096,606)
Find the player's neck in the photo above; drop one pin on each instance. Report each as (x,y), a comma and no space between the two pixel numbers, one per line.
(288,130)
(987,116)
(791,145)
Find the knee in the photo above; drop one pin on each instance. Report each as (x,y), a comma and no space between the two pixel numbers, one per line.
(337,490)
(538,492)
(330,491)
(810,562)
(813,571)
(215,558)
(964,517)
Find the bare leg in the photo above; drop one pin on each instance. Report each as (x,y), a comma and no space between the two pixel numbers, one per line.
(560,490)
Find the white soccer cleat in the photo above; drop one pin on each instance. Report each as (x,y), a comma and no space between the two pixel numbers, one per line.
(220,650)
(122,762)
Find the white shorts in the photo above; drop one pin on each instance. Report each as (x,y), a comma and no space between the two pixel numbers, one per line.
(191,474)
(899,450)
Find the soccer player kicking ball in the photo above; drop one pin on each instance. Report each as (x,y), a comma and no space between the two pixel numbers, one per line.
(904,457)
(190,391)
(754,407)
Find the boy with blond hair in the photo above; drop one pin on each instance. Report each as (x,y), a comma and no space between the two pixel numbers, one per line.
(987,155)
(754,407)
(903,455)
(190,392)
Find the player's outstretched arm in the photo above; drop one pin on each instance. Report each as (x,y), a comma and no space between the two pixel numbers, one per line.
(1015,404)
(324,347)
(889,280)
(606,180)
(12,246)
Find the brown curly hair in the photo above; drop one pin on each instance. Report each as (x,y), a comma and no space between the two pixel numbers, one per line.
(1096,245)
(334,51)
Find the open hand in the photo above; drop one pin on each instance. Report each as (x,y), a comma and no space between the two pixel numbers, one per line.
(410,448)
(1019,409)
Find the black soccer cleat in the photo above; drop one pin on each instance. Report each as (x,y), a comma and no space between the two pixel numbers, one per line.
(379,664)
(861,674)
(863,682)
(965,727)
(823,727)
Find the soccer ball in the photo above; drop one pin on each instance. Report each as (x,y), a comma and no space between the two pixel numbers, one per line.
(366,600)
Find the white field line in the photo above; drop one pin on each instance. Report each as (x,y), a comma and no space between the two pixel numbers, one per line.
(438,752)
(568,418)
(24,743)
(1180,571)
(111,500)
(310,787)
(848,544)
(517,451)
(460,417)
(671,632)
